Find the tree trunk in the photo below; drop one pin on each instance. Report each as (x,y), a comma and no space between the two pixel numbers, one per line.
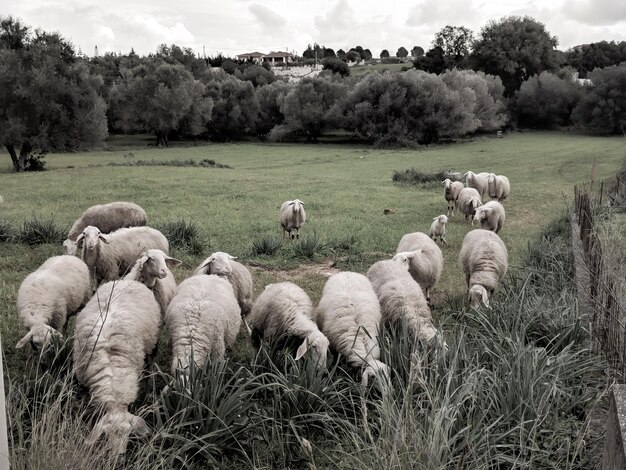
(161,138)
(11,149)
(24,154)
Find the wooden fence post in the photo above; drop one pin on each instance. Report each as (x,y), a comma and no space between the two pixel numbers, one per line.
(4,442)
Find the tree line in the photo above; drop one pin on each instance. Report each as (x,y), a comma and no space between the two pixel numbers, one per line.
(52,98)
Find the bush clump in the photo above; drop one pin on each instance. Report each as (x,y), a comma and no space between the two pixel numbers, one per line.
(184,235)
(7,233)
(39,231)
(267,245)
(413,176)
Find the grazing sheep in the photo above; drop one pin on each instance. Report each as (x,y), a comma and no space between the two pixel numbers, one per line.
(484,260)
(152,269)
(423,258)
(401,298)
(114,333)
(438,228)
(203,317)
(292,217)
(451,190)
(48,296)
(110,256)
(468,201)
(478,181)
(108,218)
(499,187)
(284,309)
(349,315)
(224,265)
(491,216)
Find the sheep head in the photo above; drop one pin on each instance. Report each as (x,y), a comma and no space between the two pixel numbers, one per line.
(474,202)
(91,238)
(482,213)
(377,371)
(478,294)
(40,337)
(117,426)
(491,178)
(443,219)
(297,205)
(70,247)
(447,183)
(318,344)
(469,176)
(218,263)
(405,257)
(154,265)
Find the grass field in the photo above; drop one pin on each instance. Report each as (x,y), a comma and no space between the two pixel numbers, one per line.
(345,189)
(363,69)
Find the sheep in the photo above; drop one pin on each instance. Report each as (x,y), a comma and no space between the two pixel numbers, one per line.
(108,218)
(292,217)
(451,190)
(401,298)
(478,181)
(285,309)
(110,256)
(438,228)
(152,269)
(484,260)
(224,265)
(423,258)
(349,315)
(498,186)
(48,296)
(203,317)
(490,215)
(114,333)
(468,201)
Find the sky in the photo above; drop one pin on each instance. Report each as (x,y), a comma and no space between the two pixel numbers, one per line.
(232,27)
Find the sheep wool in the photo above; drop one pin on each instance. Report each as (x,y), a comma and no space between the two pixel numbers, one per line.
(49,295)
(490,216)
(438,228)
(499,187)
(292,217)
(114,333)
(203,318)
(451,190)
(468,201)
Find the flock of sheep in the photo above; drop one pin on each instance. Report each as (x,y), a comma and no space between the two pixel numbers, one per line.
(117,327)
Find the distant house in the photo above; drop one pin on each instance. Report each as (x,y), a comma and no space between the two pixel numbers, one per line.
(274,58)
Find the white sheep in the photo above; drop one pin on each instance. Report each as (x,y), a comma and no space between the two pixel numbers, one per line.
(498,187)
(423,257)
(349,315)
(292,217)
(484,260)
(224,265)
(401,298)
(108,218)
(491,216)
(285,310)
(48,296)
(467,202)
(111,256)
(152,269)
(478,181)
(438,228)
(114,333)
(451,190)
(203,318)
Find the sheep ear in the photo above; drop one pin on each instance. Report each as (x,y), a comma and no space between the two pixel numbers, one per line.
(415,253)
(436,218)
(104,239)
(486,299)
(301,350)
(232,257)
(80,238)
(139,426)
(172,262)
(364,378)
(24,341)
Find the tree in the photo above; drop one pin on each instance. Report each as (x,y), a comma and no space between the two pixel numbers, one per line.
(353,56)
(341,54)
(384,54)
(256,74)
(603,106)
(433,62)
(455,41)
(515,49)
(547,100)
(367,54)
(336,66)
(602,54)
(417,51)
(329,53)
(402,52)
(269,98)
(48,98)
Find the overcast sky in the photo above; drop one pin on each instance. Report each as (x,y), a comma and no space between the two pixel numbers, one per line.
(237,26)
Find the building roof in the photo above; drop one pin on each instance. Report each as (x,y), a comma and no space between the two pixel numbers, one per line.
(251,54)
(278,54)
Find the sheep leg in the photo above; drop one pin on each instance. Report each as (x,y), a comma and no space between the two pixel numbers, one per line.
(443,239)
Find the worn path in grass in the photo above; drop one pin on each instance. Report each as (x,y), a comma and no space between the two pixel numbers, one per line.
(345,189)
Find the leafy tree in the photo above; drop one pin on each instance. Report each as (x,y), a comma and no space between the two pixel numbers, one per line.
(336,66)
(269,98)
(48,99)
(256,74)
(433,62)
(353,56)
(402,52)
(407,108)
(161,98)
(455,41)
(482,94)
(341,54)
(603,106)
(314,51)
(311,107)
(547,100)
(515,49)
(367,54)
(384,54)
(329,53)
(602,54)
(417,51)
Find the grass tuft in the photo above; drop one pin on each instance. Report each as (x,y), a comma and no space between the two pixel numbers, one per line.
(7,232)
(413,176)
(184,235)
(308,246)
(267,245)
(39,231)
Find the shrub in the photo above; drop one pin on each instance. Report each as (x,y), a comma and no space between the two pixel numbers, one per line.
(184,235)
(38,231)
(308,246)
(267,245)
(337,66)
(204,163)
(413,176)
(7,233)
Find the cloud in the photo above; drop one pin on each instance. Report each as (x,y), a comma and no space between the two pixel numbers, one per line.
(454,13)
(596,12)
(268,19)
